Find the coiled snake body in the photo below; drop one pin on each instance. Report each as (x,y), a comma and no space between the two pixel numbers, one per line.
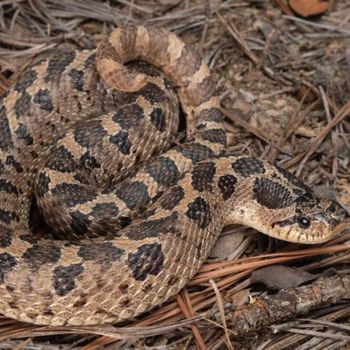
(72,129)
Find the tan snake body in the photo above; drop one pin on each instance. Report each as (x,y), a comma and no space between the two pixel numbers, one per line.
(71,134)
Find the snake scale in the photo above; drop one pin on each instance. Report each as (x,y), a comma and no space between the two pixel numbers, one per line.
(89,139)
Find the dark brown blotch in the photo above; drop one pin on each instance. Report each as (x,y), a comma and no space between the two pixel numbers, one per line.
(163,170)
(129,116)
(90,133)
(5,237)
(22,105)
(301,188)
(26,80)
(8,216)
(199,212)
(90,62)
(64,278)
(10,160)
(202,176)
(271,194)
(147,260)
(134,194)
(39,255)
(57,65)
(61,159)
(73,194)
(214,136)
(43,99)
(144,67)
(227,185)
(211,114)
(196,152)
(77,79)
(81,178)
(158,119)
(8,187)
(154,228)
(88,161)
(172,198)
(7,263)
(80,223)
(121,139)
(104,210)
(248,166)
(5,131)
(42,185)
(23,134)
(103,252)
(153,93)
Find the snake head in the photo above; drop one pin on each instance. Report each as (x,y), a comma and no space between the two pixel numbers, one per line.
(315,220)
(282,206)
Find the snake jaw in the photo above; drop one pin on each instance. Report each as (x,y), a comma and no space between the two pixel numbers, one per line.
(309,220)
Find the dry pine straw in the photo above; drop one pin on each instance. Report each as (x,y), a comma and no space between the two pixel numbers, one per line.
(58,21)
(187,304)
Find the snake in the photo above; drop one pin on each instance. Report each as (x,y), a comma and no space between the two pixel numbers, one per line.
(106,211)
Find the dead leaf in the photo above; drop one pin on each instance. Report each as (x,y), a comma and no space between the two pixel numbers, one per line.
(240,298)
(281,277)
(226,245)
(307,8)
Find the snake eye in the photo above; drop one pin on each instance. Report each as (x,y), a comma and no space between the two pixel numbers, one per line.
(303,222)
